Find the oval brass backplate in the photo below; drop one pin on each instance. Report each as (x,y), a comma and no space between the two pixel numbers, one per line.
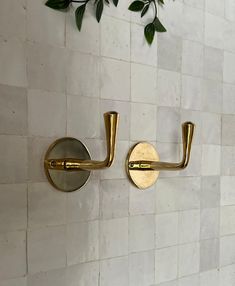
(63,180)
(142,151)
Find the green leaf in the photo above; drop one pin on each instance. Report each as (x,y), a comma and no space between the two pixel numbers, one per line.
(145,10)
(149,33)
(99,10)
(115,2)
(136,6)
(161,2)
(79,13)
(58,4)
(158,26)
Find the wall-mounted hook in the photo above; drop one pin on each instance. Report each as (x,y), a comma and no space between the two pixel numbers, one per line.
(144,157)
(68,163)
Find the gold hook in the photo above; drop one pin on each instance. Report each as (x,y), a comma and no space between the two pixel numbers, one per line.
(144,157)
(55,159)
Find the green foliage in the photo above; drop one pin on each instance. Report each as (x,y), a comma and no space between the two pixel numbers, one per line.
(155,25)
(58,4)
(141,6)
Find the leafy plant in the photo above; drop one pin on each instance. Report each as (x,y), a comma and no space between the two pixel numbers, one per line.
(64,5)
(141,6)
(154,26)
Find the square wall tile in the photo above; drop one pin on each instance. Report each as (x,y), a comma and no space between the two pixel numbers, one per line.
(168,58)
(228,99)
(189,226)
(121,12)
(228,160)
(141,233)
(173,17)
(83,274)
(141,268)
(169,88)
(13,255)
(79,110)
(82,242)
(215,7)
(113,238)
(227,275)
(227,190)
(13,207)
(45,25)
(87,41)
(229,10)
(13,112)
(167,226)
(141,52)
(53,106)
(17,10)
(52,277)
(46,249)
(168,124)
(229,70)
(209,254)
(228,130)
(78,67)
(46,206)
(193,24)
(192,280)
(143,122)
(227,250)
(143,83)
(141,202)
(13,62)
(209,223)
(180,193)
(192,58)
(210,192)
(84,205)
(212,96)
(115,38)
(211,128)
(189,259)
(22,281)
(192,92)
(44,70)
(115,80)
(13,155)
(227,217)
(213,63)
(114,198)
(210,278)
(114,272)
(214,31)
(211,160)
(166,264)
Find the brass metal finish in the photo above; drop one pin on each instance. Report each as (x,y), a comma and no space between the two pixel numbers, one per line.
(61,162)
(137,160)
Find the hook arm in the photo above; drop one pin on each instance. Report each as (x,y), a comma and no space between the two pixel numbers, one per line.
(187,137)
(69,164)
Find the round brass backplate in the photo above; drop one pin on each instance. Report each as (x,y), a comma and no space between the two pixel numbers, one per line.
(67,181)
(146,152)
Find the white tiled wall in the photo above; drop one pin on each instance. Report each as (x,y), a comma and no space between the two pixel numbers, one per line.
(55,82)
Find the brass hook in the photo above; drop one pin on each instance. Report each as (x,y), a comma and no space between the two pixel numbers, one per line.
(144,157)
(70,155)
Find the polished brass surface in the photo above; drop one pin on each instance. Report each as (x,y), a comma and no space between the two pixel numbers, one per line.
(67,181)
(81,163)
(138,162)
(145,151)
